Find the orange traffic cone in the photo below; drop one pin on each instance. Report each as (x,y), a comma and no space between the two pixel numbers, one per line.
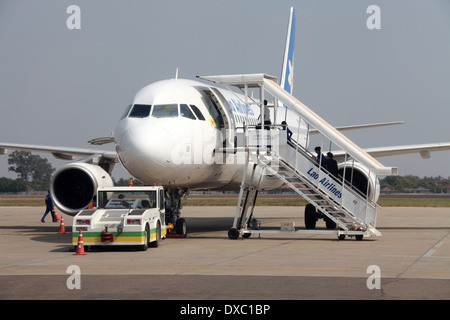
(62,229)
(80,245)
(56,216)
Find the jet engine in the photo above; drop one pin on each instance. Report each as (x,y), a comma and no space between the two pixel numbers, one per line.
(74,186)
(363,181)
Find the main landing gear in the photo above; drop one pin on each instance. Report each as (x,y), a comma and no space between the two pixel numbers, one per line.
(312,216)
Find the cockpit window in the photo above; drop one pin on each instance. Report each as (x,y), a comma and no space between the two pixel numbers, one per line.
(186,112)
(198,113)
(140,111)
(165,111)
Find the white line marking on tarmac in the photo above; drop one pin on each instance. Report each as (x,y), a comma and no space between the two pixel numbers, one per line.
(430,252)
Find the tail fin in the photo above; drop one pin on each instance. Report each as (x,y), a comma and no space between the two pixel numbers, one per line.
(297,125)
(287,73)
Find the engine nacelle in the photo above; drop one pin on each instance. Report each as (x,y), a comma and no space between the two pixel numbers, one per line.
(364,181)
(74,185)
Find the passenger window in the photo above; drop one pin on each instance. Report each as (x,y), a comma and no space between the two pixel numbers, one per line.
(198,113)
(165,111)
(186,112)
(140,111)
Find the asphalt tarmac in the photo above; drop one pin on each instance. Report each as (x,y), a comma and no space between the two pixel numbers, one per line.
(411,260)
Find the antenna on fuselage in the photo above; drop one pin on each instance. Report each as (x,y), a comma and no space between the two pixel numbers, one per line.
(176,75)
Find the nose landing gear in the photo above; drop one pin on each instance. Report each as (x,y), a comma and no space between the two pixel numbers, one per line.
(176,226)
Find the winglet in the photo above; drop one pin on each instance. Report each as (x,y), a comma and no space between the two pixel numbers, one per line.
(287,73)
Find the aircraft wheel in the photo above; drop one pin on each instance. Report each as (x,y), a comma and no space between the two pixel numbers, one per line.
(233,233)
(181,227)
(310,216)
(330,223)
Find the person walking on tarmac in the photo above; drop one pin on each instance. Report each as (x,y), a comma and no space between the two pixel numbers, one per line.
(49,207)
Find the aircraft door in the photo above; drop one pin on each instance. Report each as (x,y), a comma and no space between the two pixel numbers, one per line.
(221,116)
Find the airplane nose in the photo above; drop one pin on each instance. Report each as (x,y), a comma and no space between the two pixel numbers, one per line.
(152,141)
(145,150)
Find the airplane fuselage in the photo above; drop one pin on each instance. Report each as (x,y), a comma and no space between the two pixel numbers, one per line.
(174,132)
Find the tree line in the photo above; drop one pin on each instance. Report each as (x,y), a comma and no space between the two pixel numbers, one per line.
(410,183)
(34,174)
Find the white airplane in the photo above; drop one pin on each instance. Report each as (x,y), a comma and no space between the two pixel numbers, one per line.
(174,133)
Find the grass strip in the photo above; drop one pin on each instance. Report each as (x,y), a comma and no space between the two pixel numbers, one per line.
(231,200)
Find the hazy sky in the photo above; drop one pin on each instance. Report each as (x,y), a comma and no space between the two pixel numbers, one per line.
(64,87)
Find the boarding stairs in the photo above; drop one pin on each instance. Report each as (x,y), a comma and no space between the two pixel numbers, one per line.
(354,216)
(346,210)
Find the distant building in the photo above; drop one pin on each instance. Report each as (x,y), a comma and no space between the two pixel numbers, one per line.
(446,188)
(421,189)
(387,190)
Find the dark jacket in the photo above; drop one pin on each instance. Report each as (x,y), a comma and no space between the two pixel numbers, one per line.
(48,201)
(332,167)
